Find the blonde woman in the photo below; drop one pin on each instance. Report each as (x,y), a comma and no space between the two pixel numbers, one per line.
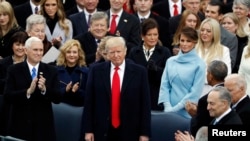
(72,72)
(8,26)
(209,46)
(232,23)
(244,69)
(59,28)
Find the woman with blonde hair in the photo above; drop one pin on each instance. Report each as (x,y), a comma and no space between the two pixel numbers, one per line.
(209,45)
(244,69)
(72,72)
(232,23)
(59,28)
(8,26)
(190,19)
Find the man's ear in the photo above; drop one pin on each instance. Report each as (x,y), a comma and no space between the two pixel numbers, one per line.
(220,17)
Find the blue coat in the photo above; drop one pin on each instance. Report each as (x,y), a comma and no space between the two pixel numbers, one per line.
(80,75)
(182,80)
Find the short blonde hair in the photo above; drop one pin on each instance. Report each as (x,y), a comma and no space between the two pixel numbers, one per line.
(61,60)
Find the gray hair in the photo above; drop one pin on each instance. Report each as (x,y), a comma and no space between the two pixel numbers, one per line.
(224,94)
(98,16)
(243,2)
(30,40)
(115,41)
(237,79)
(34,19)
(202,134)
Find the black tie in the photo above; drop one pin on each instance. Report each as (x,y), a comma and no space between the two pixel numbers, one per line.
(142,19)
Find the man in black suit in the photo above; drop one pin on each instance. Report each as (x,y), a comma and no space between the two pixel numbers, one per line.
(133,119)
(218,106)
(90,40)
(23,11)
(215,9)
(80,21)
(30,99)
(78,7)
(127,25)
(144,12)
(165,8)
(216,72)
(236,85)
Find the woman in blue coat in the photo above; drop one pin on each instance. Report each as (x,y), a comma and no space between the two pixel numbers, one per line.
(184,75)
(73,73)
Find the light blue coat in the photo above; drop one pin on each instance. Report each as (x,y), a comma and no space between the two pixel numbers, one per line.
(182,80)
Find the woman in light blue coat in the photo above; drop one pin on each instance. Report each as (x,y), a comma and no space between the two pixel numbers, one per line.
(183,77)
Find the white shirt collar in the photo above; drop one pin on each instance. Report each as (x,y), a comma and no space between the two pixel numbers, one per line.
(146,16)
(31,67)
(33,6)
(224,114)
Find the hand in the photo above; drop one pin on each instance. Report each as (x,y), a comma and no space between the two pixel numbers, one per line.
(152,65)
(143,138)
(176,50)
(32,87)
(41,83)
(68,87)
(75,87)
(89,137)
(56,41)
(191,108)
(183,136)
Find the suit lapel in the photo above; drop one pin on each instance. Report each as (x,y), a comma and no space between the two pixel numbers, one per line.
(106,78)
(26,72)
(128,75)
(122,22)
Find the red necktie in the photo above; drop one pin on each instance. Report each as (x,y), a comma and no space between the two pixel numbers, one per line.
(113,24)
(175,10)
(115,107)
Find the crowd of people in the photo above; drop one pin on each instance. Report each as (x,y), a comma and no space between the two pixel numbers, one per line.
(123,59)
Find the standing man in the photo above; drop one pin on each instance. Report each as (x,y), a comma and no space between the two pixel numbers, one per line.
(218,106)
(117,104)
(23,11)
(236,85)
(124,24)
(144,12)
(215,10)
(80,21)
(30,88)
(168,8)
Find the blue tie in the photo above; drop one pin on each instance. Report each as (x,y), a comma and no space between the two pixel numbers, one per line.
(33,75)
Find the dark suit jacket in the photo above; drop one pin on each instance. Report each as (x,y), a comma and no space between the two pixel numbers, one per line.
(31,119)
(71,11)
(159,56)
(89,46)
(163,28)
(162,9)
(230,40)
(135,102)
(22,12)
(232,118)
(129,28)
(243,109)
(79,23)
(4,64)
(202,117)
